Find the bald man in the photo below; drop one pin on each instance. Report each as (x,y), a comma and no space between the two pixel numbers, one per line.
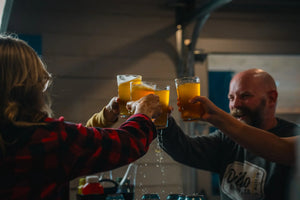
(252,98)
(244,174)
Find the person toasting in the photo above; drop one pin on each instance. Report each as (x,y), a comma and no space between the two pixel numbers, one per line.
(40,154)
(241,155)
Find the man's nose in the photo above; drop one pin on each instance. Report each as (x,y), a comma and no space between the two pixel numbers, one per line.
(236,103)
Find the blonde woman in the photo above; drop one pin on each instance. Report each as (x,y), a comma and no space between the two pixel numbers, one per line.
(39,154)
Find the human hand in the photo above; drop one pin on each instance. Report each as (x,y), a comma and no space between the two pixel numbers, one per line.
(209,110)
(148,105)
(170,109)
(112,110)
(179,105)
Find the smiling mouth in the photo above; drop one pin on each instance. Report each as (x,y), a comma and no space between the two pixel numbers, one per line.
(239,114)
(240,118)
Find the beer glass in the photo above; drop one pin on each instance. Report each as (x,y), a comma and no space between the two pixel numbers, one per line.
(138,90)
(164,97)
(124,91)
(187,88)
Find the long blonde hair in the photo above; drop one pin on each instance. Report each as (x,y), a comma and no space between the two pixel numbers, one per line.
(23,83)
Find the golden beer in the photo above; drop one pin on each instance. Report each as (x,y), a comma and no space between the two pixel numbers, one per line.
(187,88)
(124,91)
(138,90)
(164,98)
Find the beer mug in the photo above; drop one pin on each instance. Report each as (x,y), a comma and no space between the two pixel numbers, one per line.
(187,88)
(124,91)
(140,89)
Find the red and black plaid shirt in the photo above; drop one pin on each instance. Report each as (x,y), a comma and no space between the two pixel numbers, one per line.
(39,161)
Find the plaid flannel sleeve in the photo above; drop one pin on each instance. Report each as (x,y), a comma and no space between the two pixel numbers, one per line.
(91,150)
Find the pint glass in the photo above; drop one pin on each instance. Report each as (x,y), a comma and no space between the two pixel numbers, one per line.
(164,97)
(138,90)
(187,88)
(124,91)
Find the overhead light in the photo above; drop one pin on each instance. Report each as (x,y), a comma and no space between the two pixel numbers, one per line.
(199,51)
(187,42)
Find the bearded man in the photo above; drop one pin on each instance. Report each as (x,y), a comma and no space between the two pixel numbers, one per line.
(244,174)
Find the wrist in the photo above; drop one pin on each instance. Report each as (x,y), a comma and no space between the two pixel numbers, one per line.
(220,119)
(110,116)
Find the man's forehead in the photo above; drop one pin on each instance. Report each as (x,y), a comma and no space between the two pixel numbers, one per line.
(241,91)
(242,86)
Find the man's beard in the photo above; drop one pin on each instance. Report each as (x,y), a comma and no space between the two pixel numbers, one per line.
(251,117)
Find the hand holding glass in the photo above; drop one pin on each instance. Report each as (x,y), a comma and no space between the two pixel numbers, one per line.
(187,88)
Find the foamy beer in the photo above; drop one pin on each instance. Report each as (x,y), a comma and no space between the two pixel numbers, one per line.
(124,91)
(187,88)
(164,97)
(138,90)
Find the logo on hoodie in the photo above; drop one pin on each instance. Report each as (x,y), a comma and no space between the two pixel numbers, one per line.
(244,181)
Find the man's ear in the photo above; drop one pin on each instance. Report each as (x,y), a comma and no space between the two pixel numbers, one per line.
(272,97)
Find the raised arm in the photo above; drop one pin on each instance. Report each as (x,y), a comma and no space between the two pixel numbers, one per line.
(258,141)
(107,116)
